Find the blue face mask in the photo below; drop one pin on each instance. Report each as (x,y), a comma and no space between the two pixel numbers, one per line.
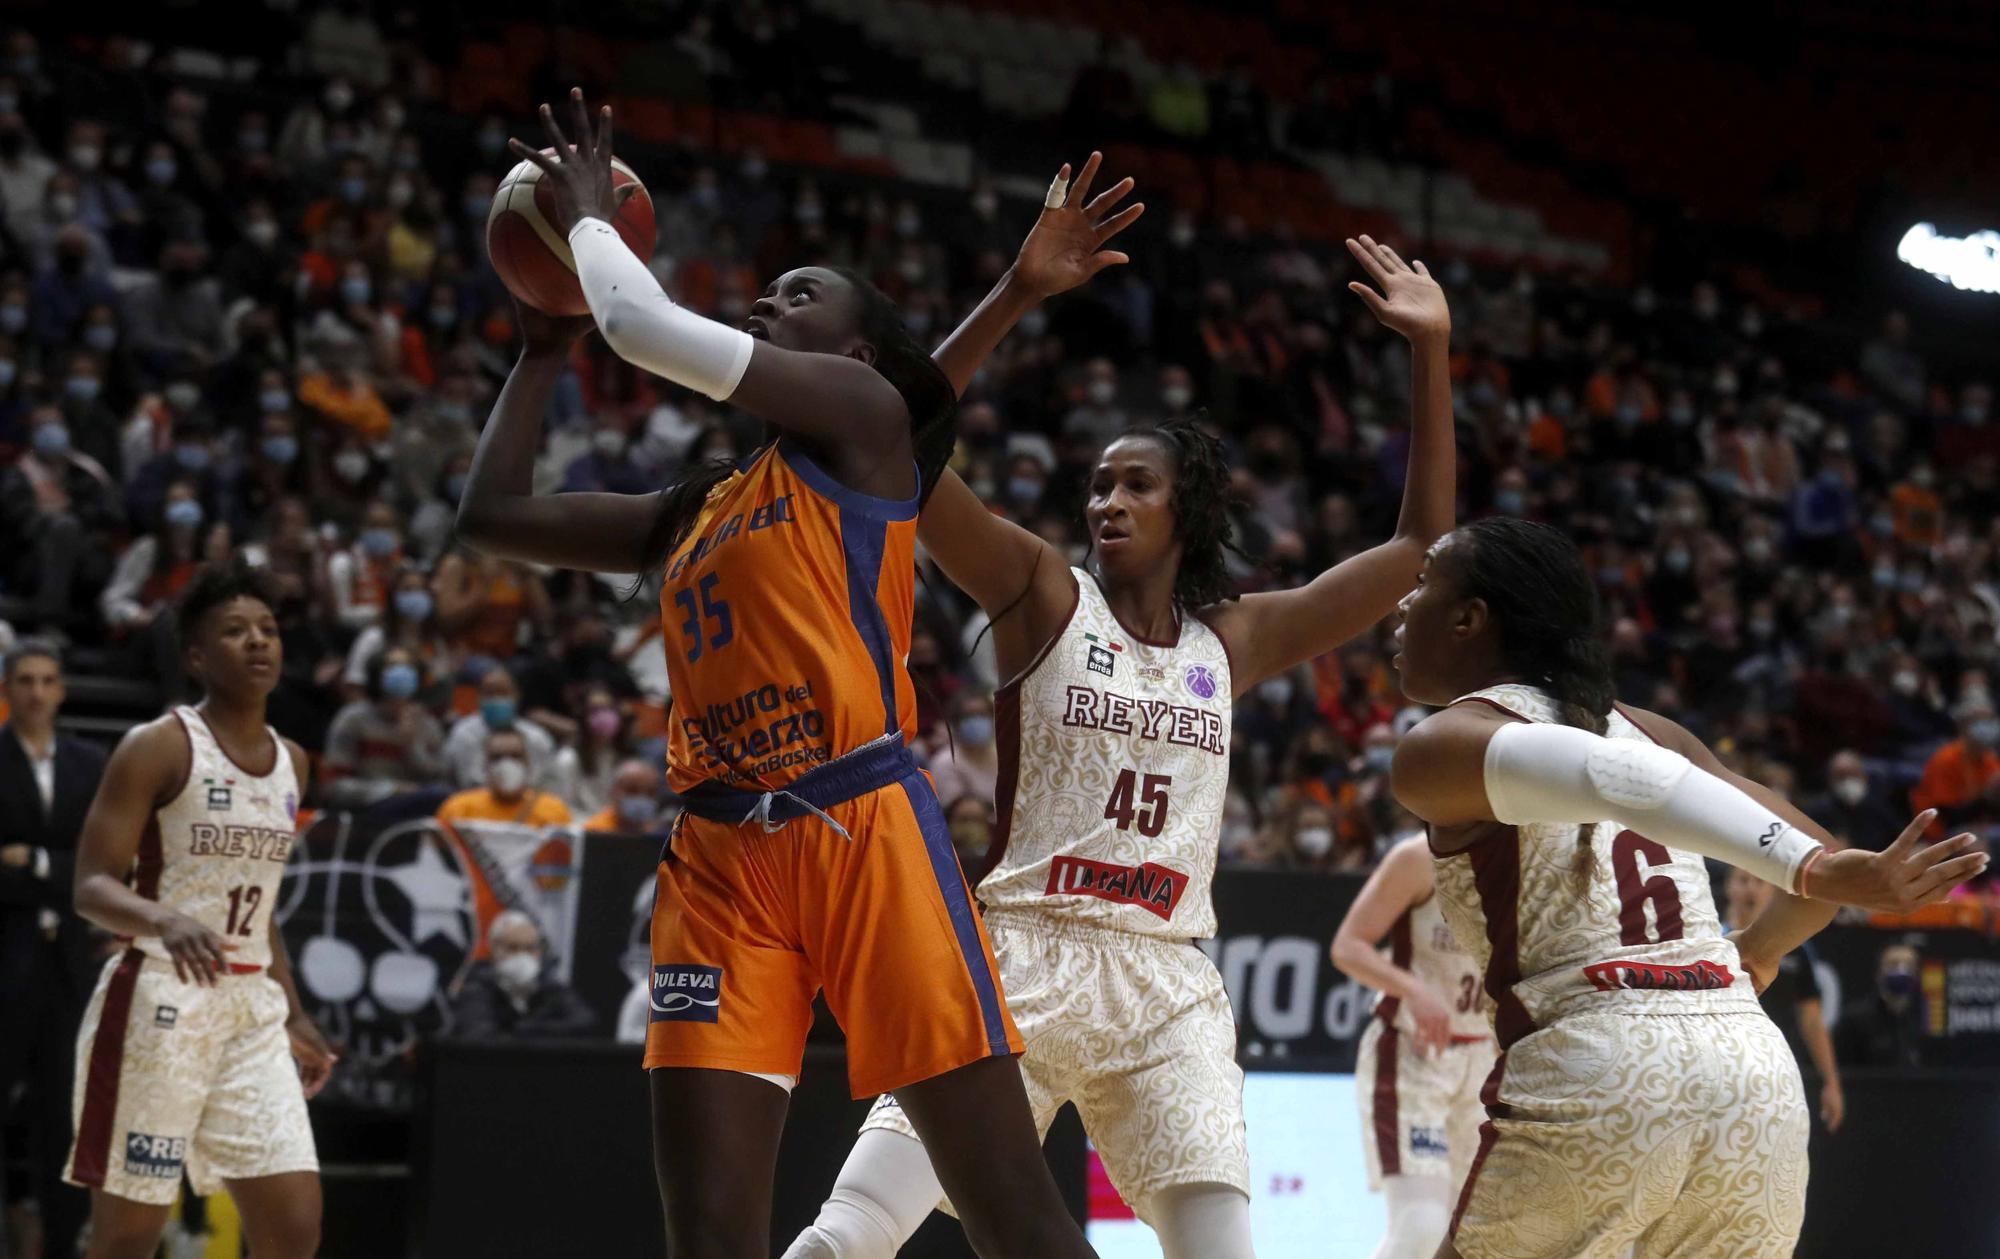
(399,681)
(352,190)
(6,372)
(1509,502)
(498,714)
(355,291)
(477,205)
(413,605)
(190,456)
(184,513)
(1985,731)
(637,811)
(161,170)
(83,388)
(100,337)
(13,318)
(1380,758)
(443,317)
(52,441)
(978,730)
(454,486)
(281,448)
(1024,489)
(274,400)
(379,542)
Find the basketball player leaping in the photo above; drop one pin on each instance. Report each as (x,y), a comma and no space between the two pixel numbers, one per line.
(1114,734)
(1642,1102)
(1425,1052)
(186,1055)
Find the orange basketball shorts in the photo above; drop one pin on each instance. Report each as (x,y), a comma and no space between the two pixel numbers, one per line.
(748,925)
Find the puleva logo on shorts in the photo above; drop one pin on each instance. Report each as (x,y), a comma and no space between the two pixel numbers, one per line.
(686,994)
(1201,680)
(154,1156)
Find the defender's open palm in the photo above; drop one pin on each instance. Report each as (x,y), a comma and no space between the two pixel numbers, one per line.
(1410,301)
(1066,246)
(1905,876)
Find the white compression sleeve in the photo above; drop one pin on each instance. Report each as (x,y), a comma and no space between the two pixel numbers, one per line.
(1419,1216)
(884,1191)
(644,326)
(1548,773)
(1202,1221)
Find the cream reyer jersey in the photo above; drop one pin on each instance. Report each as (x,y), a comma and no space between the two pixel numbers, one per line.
(1557,927)
(1422,943)
(1114,758)
(217,850)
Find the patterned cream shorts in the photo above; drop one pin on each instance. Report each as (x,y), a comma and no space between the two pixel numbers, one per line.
(1678,1135)
(170,1074)
(1420,1115)
(1138,1033)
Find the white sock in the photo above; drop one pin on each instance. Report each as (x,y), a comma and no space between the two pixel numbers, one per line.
(884,1191)
(1419,1216)
(1202,1222)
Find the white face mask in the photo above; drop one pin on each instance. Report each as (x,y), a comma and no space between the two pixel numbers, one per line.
(1850,791)
(1103,391)
(350,465)
(1314,841)
(518,970)
(507,775)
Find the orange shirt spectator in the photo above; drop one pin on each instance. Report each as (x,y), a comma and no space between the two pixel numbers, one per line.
(483,602)
(1960,776)
(1918,511)
(349,401)
(530,808)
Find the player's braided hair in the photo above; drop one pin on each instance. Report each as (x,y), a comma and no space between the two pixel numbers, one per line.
(1200,502)
(926,391)
(1534,583)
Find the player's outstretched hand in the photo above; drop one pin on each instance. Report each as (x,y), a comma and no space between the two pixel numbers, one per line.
(199,954)
(311,1050)
(1905,876)
(1066,246)
(546,334)
(1410,301)
(578,173)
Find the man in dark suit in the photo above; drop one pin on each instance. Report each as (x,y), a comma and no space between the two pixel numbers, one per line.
(47,970)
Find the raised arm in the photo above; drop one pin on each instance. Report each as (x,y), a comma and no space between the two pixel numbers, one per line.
(1468,765)
(149,763)
(1269,633)
(840,402)
(1402,880)
(500,513)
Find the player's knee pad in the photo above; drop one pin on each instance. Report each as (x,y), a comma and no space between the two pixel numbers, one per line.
(850,1226)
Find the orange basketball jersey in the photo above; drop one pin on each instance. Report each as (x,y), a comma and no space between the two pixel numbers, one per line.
(786,615)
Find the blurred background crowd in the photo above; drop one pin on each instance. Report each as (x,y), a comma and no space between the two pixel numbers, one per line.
(248,309)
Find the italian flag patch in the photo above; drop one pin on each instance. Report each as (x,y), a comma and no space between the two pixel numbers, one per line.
(1104,642)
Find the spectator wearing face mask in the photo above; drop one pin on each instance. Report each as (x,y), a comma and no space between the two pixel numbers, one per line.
(968,764)
(607,467)
(189,458)
(970,821)
(603,742)
(59,506)
(465,749)
(1915,704)
(634,804)
(1852,808)
(1962,779)
(270,468)
(514,995)
(386,743)
(508,794)
(341,393)
(1097,417)
(179,315)
(93,425)
(361,576)
(1886,1028)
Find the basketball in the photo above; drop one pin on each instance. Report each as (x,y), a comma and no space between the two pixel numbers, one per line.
(532,257)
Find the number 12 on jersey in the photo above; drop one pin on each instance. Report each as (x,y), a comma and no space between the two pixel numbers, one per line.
(243,901)
(1139,803)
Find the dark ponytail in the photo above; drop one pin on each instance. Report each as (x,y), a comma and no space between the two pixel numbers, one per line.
(1536,587)
(927,393)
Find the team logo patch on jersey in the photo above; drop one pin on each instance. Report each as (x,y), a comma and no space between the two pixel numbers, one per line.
(218,793)
(1153,888)
(1102,661)
(1429,1143)
(158,1157)
(166,1016)
(686,994)
(1200,679)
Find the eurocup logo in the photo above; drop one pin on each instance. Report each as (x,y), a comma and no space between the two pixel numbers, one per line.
(1201,680)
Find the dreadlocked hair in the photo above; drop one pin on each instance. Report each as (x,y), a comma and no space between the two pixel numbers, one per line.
(1200,502)
(905,364)
(1534,583)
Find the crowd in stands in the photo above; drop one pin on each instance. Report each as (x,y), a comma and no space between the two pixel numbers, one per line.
(260,319)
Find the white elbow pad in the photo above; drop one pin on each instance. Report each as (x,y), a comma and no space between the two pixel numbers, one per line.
(1547,773)
(645,326)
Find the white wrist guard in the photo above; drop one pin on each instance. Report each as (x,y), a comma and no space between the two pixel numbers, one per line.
(1549,773)
(644,326)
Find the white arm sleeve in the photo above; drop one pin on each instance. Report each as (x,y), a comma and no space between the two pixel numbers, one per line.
(644,326)
(1550,773)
